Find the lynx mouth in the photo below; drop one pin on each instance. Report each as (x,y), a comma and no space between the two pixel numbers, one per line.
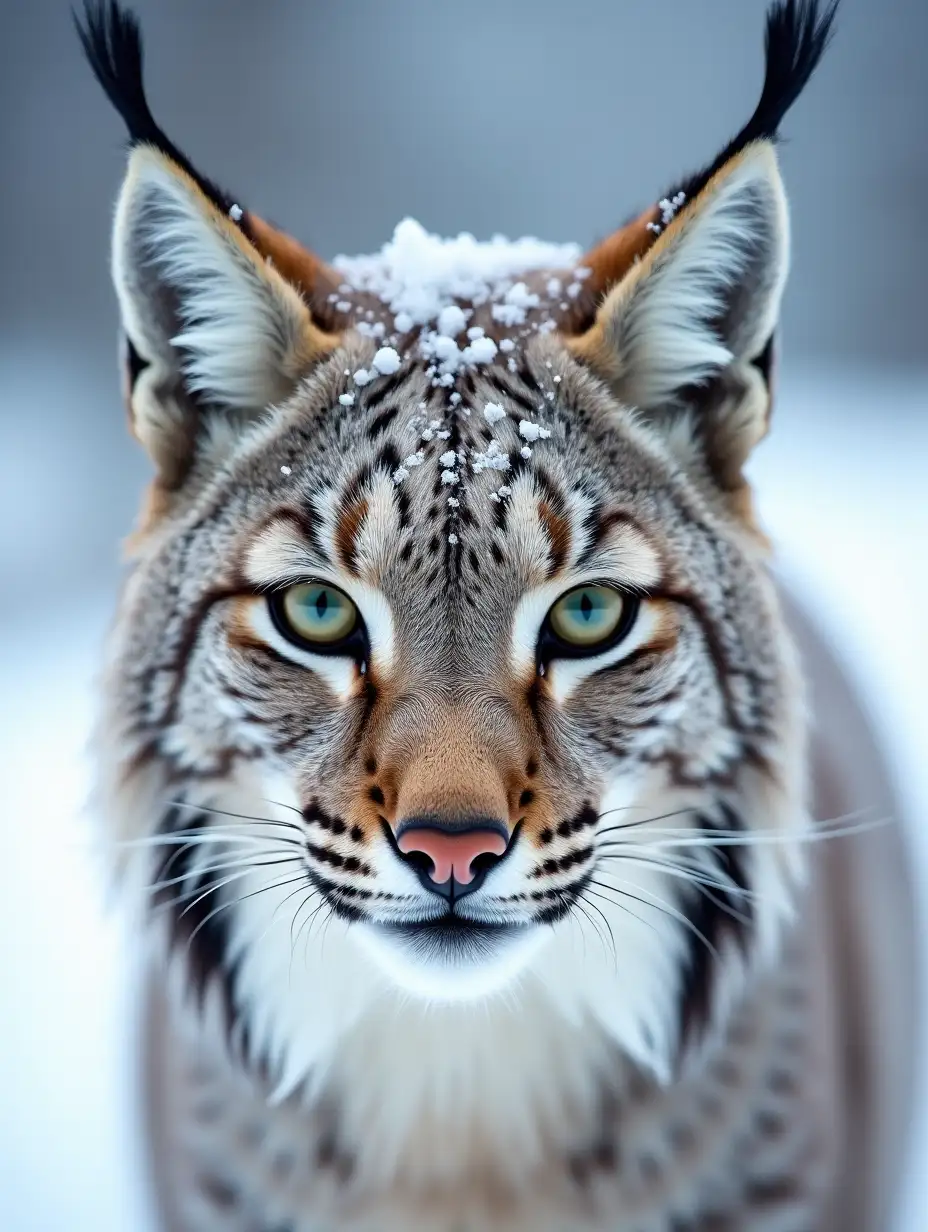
(452,938)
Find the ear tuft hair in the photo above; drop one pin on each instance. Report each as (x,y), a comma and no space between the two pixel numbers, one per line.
(112,41)
(795,40)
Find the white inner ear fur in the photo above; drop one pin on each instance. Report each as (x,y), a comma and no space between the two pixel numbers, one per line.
(709,291)
(195,299)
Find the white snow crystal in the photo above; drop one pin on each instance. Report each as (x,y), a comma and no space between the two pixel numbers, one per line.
(507,344)
(516,302)
(554,287)
(574,290)
(428,433)
(285,470)
(417,275)
(455,399)
(449,459)
(366,330)
(480,351)
(344,305)
(525,451)
(386,361)
(668,207)
(443,434)
(363,377)
(449,477)
(494,459)
(453,502)
(451,320)
(493,413)
(346,399)
(444,348)
(414,459)
(235,213)
(504,491)
(400,474)
(531,431)
(475,332)
(452,539)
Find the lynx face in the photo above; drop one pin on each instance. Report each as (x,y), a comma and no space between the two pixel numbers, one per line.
(448,664)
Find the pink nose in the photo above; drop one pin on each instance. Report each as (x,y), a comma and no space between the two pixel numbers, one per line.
(452,852)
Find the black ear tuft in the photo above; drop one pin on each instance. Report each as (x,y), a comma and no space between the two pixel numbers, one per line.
(112,42)
(794,42)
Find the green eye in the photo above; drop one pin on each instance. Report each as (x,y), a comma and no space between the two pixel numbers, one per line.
(589,616)
(315,612)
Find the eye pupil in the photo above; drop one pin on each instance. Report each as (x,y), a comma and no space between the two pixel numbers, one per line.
(315,614)
(589,618)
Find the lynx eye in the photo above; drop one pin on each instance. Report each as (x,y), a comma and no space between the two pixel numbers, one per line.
(315,614)
(589,619)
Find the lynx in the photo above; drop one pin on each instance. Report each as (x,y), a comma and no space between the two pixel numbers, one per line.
(454,750)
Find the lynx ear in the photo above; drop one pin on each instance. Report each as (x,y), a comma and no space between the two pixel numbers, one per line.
(222,313)
(211,324)
(705,295)
(690,291)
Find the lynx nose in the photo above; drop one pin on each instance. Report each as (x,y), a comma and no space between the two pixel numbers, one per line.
(452,860)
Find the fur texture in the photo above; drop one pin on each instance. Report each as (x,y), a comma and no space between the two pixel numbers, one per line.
(645,934)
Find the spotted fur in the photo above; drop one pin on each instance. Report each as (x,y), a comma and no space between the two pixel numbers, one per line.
(614,1030)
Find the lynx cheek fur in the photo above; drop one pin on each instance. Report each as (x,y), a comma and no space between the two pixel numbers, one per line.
(454,744)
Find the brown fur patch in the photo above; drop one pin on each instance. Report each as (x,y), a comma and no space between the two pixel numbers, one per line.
(308,273)
(156,505)
(614,256)
(239,631)
(557,528)
(347,530)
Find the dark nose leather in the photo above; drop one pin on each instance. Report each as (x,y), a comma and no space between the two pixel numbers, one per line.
(452,860)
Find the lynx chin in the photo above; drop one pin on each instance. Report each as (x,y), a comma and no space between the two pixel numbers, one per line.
(454,748)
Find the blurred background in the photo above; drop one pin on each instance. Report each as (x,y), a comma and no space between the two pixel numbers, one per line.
(336,120)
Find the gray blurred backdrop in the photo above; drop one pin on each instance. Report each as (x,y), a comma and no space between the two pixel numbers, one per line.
(336,118)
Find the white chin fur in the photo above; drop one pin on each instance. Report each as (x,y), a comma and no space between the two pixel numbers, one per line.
(423,970)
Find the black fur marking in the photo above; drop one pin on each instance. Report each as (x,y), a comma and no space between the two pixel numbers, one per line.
(305,520)
(388,457)
(794,42)
(135,364)
(499,382)
(112,41)
(205,942)
(387,386)
(720,915)
(382,421)
(764,361)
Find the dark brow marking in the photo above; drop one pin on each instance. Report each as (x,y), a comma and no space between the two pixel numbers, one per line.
(389,385)
(597,524)
(499,382)
(381,422)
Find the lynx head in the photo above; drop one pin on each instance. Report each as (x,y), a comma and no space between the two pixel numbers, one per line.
(448,666)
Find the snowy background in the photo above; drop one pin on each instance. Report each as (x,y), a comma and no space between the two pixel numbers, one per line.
(336,120)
